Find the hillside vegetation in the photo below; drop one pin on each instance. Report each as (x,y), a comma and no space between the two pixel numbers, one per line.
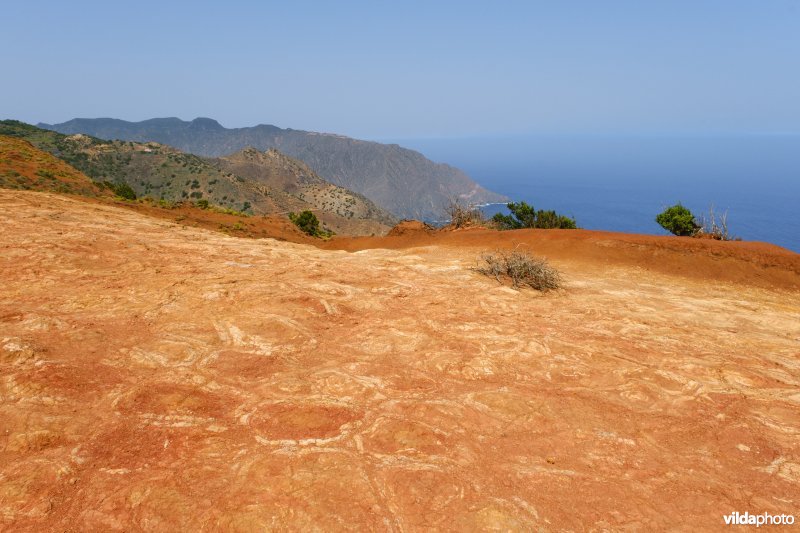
(278,171)
(25,167)
(400,180)
(165,173)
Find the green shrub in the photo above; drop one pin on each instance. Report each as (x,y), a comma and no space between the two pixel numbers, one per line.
(45,174)
(123,190)
(166,204)
(678,220)
(307,222)
(202,204)
(525,216)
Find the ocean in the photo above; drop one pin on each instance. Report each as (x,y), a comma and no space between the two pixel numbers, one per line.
(620,183)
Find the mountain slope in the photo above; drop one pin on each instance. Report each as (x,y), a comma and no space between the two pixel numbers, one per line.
(280,172)
(400,180)
(25,167)
(165,173)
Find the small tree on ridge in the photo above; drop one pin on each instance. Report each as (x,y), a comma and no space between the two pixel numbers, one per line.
(678,220)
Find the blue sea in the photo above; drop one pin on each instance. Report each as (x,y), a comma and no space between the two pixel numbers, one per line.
(620,183)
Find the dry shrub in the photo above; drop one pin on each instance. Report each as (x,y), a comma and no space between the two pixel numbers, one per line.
(714,226)
(520,268)
(463,215)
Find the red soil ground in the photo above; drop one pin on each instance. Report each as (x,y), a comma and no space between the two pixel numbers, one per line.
(157,376)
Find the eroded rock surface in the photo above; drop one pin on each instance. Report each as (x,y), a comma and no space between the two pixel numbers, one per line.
(160,377)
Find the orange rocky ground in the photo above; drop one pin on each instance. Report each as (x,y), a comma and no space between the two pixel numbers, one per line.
(162,377)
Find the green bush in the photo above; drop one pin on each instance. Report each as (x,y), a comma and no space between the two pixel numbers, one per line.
(525,216)
(678,220)
(123,190)
(166,204)
(202,204)
(45,174)
(307,222)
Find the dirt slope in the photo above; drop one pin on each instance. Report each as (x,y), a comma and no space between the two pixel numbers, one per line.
(751,263)
(23,166)
(162,377)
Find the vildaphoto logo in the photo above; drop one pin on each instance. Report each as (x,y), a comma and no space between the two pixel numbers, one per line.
(763,519)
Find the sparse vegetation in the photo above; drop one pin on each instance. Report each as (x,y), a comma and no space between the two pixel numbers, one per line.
(463,215)
(713,226)
(524,215)
(45,174)
(227,211)
(24,167)
(148,168)
(520,269)
(167,204)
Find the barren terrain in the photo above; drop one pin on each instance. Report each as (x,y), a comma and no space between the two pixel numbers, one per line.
(155,376)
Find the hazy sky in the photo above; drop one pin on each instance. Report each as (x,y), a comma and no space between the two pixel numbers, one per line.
(397,69)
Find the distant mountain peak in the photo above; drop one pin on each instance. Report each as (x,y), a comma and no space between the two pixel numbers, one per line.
(206,124)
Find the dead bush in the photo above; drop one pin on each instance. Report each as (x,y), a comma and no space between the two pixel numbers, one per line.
(714,226)
(520,268)
(462,214)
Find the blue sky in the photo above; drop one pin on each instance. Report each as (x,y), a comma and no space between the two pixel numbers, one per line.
(411,69)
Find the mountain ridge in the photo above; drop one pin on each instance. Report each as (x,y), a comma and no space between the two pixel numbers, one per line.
(165,173)
(401,180)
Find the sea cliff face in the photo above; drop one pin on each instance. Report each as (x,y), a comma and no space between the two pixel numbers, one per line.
(397,179)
